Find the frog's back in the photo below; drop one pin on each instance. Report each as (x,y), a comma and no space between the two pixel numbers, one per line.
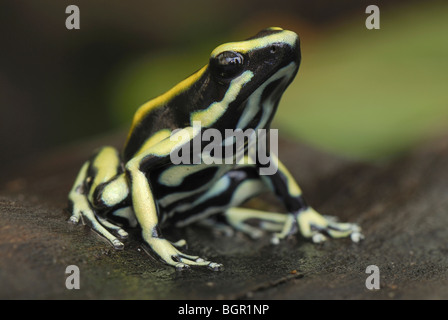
(167,112)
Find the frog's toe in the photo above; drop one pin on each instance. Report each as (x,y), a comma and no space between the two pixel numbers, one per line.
(73,220)
(181,266)
(320,233)
(289,228)
(356,236)
(215,266)
(342,230)
(180,244)
(192,260)
(185,261)
(318,238)
(122,234)
(117,244)
(100,226)
(171,255)
(254,233)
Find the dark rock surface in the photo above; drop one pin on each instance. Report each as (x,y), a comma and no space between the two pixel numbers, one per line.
(402,206)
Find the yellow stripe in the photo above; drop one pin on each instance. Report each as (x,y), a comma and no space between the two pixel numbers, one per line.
(285,36)
(275,28)
(115,191)
(166,146)
(175,175)
(293,188)
(153,140)
(106,163)
(165,98)
(208,116)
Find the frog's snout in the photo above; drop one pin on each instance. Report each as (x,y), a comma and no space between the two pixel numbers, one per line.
(290,52)
(295,49)
(289,46)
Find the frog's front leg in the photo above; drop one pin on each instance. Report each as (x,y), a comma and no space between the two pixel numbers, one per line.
(145,209)
(302,217)
(98,187)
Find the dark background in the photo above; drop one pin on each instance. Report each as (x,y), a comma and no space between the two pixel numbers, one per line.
(58,86)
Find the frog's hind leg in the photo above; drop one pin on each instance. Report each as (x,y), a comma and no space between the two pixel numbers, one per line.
(98,188)
(243,184)
(241,218)
(226,197)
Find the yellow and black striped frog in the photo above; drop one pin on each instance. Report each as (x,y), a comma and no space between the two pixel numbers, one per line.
(175,167)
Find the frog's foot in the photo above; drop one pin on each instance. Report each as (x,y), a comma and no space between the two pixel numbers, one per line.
(82,212)
(317,227)
(169,254)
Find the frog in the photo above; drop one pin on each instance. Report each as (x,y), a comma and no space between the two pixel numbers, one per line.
(139,186)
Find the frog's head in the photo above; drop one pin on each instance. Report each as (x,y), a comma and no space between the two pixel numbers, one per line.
(253,74)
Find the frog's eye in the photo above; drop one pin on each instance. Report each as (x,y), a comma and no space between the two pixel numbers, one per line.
(227,64)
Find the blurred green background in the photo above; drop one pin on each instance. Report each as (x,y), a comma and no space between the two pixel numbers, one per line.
(366,94)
